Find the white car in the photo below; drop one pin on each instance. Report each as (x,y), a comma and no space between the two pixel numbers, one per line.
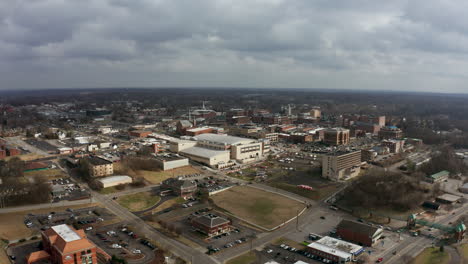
(89,228)
(269,251)
(116,246)
(136,251)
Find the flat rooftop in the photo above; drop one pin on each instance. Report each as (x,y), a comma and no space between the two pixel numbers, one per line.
(338,244)
(66,233)
(98,161)
(203,152)
(223,139)
(118,178)
(341,152)
(169,158)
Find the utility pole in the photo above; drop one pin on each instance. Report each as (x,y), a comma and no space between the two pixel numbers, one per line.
(297,221)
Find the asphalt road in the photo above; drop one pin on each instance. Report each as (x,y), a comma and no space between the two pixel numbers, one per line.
(413,245)
(172,245)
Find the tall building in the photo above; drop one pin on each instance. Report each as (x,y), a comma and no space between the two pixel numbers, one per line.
(341,165)
(390,132)
(336,136)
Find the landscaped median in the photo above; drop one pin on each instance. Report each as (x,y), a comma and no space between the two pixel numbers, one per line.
(257,207)
(138,201)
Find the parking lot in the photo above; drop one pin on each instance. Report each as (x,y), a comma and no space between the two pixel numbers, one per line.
(122,241)
(86,218)
(63,189)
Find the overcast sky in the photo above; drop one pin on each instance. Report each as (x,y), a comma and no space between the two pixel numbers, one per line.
(417,45)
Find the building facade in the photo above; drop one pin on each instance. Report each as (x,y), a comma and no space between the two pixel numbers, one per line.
(359,233)
(211,225)
(99,167)
(336,136)
(341,165)
(65,245)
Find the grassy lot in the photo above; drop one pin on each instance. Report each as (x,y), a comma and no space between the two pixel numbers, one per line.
(12,227)
(156,177)
(260,207)
(463,249)
(247,258)
(108,190)
(51,173)
(138,201)
(316,194)
(432,256)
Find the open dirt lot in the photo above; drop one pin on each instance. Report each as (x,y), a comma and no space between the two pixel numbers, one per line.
(156,177)
(12,225)
(259,207)
(50,174)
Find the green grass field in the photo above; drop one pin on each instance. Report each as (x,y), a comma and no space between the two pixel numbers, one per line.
(432,256)
(248,258)
(108,190)
(138,201)
(51,173)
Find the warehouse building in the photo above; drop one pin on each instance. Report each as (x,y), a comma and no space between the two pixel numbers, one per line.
(206,156)
(168,162)
(114,181)
(341,165)
(359,233)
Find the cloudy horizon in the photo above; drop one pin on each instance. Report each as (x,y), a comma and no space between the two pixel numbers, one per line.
(373,45)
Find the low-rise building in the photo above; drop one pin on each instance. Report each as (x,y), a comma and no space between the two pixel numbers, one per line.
(464,188)
(114,181)
(448,198)
(359,233)
(139,133)
(438,177)
(62,244)
(168,162)
(183,188)
(211,225)
(99,167)
(333,249)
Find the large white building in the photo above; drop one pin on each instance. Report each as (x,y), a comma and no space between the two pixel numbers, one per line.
(333,249)
(217,150)
(114,181)
(242,149)
(206,156)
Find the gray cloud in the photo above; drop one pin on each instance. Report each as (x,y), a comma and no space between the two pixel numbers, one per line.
(400,45)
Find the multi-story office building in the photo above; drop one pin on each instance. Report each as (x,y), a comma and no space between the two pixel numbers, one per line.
(341,165)
(336,136)
(390,132)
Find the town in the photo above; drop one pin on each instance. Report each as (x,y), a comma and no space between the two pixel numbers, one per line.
(235,176)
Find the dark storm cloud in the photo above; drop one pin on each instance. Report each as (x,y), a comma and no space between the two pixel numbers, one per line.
(264,43)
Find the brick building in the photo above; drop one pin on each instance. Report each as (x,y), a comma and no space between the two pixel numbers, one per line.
(336,136)
(139,133)
(211,225)
(99,167)
(359,233)
(183,188)
(65,245)
(390,132)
